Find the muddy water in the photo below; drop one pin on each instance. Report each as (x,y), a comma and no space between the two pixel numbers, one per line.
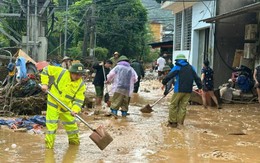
(208,135)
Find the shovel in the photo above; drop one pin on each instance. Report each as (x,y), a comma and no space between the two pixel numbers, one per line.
(106,97)
(99,136)
(148,108)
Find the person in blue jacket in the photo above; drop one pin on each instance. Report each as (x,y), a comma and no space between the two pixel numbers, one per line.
(184,75)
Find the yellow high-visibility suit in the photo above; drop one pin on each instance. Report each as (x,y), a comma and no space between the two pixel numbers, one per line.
(71,93)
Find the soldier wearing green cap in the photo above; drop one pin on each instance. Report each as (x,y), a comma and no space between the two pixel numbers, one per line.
(69,88)
(138,67)
(170,83)
(184,75)
(123,77)
(102,69)
(66,62)
(180,57)
(115,59)
(166,69)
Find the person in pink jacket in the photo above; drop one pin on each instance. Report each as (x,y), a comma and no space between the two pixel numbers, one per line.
(122,77)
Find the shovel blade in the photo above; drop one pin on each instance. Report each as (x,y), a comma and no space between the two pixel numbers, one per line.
(146,109)
(101,138)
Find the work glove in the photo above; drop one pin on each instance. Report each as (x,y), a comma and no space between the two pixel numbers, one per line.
(165,92)
(168,87)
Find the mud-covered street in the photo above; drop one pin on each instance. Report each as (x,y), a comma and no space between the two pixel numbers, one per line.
(208,135)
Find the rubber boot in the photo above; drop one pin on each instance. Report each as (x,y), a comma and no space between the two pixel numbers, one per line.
(124,113)
(172,124)
(113,111)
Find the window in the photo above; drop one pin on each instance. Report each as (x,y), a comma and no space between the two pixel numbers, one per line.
(183,25)
(178,25)
(187,29)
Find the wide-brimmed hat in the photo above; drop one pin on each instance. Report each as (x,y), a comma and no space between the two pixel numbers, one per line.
(66,58)
(134,60)
(180,57)
(123,58)
(77,68)
(116,53)
(166,68)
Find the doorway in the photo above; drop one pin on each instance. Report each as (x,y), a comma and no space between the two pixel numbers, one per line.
(203,50)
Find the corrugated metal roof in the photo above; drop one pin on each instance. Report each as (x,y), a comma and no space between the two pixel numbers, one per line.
(255,7)
(161,44)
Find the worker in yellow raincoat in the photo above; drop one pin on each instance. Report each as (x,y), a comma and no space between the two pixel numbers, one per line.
(69,88)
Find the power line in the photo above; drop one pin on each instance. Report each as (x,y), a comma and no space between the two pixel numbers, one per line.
(71,32)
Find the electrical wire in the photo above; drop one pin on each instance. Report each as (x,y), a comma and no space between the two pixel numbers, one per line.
(108,4)
(71,33)
(183,3)
(216,41)
(218,52)
(207,7)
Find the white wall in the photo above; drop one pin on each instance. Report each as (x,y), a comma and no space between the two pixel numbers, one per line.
(199,11)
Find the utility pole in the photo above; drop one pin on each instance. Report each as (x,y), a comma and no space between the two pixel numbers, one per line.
(34,43)
(35,30)
(66,28)
(85,39)
(28,26)
(92,30)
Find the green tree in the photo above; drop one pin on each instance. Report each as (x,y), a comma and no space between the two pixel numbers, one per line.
(74,31)
(17,24)
(121,26)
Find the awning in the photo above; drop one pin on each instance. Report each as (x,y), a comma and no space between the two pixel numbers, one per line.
(165,44)
(177,6)
(255,7)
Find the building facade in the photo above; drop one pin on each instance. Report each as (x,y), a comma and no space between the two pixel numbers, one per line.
(216,30)
(192,36)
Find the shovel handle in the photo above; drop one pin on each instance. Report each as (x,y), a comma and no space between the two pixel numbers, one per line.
(66,107)
(161,98)
(157,101)
(104,73)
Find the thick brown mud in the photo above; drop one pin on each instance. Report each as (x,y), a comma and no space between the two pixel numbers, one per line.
(208,135)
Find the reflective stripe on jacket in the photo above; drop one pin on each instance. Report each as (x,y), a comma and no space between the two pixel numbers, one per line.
(71,93)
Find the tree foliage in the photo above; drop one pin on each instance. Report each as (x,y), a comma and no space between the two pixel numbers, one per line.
(75,28)
(121,26)
(17,25)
